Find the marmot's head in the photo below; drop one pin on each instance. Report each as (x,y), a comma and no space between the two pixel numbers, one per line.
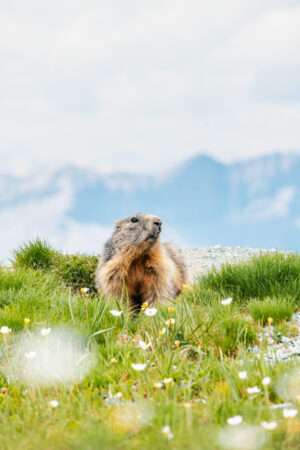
(139,229)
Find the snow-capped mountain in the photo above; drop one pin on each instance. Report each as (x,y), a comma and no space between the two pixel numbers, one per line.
(203,202)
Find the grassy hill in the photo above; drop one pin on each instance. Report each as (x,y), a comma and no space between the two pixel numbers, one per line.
(179,392)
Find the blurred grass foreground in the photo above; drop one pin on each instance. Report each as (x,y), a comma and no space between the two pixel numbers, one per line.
(79,371)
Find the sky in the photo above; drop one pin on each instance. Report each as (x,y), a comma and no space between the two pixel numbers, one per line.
(139,86)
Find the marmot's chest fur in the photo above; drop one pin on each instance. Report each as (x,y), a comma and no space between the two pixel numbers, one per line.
(134,255)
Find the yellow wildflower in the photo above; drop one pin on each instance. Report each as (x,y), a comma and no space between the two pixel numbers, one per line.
(185,287)
(177,343)
(270,320)
(145,305)
(170,309)
(26,320)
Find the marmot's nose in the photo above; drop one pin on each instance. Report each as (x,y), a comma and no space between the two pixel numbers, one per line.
(158,223)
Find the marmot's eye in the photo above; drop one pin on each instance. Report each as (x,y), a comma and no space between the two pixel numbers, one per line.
(134,219)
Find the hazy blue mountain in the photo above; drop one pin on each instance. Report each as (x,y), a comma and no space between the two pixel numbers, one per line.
(204,202)
(254,202)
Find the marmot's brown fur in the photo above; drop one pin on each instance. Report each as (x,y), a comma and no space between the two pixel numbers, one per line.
(135,257)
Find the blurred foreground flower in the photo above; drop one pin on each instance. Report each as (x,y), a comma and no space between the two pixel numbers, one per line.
(158,385)
(270,320)
(145,305)
(84,290)
(235,420)
(171,309)
(269,425)
(287,386)
(185,287)
(139,367)
(150,311)
(53,403)
(168,380)
(177,343)
(129,417)
(161,332)
(118,395)
(45,331)
(289,413)
(61,357)
(226,302)
(5,330)
(26,321)
(115,312)
(243,437)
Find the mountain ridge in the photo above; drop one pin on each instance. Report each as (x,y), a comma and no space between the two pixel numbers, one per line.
(254,203)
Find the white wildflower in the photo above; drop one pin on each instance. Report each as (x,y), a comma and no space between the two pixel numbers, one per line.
(243,375)
(150,311)
(167,431)
(236,420)
(281,406)
(170,321)
(168,380)
(30,355)
(266,381)
(269,425)
(143,345)
(115,312)
(162,332)
(84,290)
(139,367)
(253,390)
(226,302)
(45,331)
(289,413)
(5,330)
(53,403)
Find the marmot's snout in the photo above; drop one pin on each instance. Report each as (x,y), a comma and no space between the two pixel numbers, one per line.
(156,228)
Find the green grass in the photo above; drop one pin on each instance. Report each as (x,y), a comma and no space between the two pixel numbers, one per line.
(203,352)
(36,254)
(76,271)
(265,275)
(278,309)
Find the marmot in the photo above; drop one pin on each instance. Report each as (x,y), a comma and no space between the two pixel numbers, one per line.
(135,258)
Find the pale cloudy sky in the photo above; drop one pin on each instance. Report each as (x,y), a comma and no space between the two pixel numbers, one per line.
(139,85)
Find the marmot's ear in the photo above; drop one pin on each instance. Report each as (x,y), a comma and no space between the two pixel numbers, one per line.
(118,224)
